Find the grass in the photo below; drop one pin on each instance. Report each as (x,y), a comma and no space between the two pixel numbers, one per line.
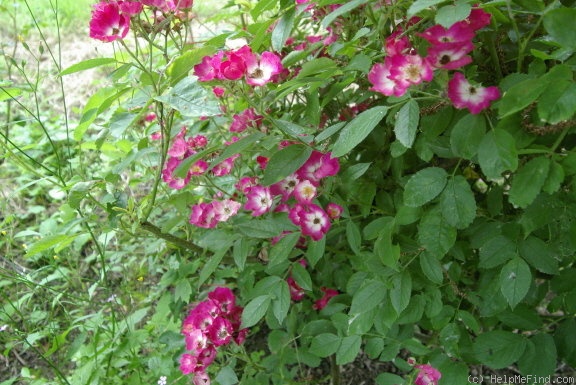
(16,13)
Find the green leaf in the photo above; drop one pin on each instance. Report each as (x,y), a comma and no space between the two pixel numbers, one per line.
(499,349)
(467,135)
(183,291)
(523,317)
(9,93)
(87,64)
(557,103)
(539,255)
(400,291)
(544,210)
(540,356)
(283,29)
(329,131)
(98,103)
(242,248)
(190,99)
(385,250)
(559,23)
(435,234)
(348,350)
(515,281)
(432,268)
(468,319)
(227,376)
(285,162)
(301,276)
(520,96)
(497,153)
(315,251)
(424,186)
(374,347)
(59,241)
(496,252)
(457,203)
(292,129)
(389,379)
(319,66)
(382,225)
(450,14)
(353,236)
(345,8)
(565,338)
(354,172)
(455,373)
(420,5)
(261,7)
(449,337)
(278,340)
(528,181)
(182,169)
(212,264)
(357,130)
(282,249)
(255,310)
(555,178)
(78,192)
(406,124)
(235,148)
(368,297)
(325,344)
(182,65)
(281,301)
(264,228)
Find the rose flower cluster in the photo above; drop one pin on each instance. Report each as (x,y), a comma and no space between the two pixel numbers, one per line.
(110,20)
(448,50)
(211,323)
(257,70)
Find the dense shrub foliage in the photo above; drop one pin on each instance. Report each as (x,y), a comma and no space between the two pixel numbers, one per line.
(314,182)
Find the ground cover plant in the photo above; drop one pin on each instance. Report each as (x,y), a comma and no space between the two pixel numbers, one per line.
(304,193)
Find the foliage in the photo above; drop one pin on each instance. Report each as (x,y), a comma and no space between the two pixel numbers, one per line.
(387,178)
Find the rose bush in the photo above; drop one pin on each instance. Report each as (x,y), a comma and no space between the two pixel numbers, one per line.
(386,178)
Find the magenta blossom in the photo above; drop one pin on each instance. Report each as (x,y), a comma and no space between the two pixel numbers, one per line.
(234,67)
(450,56)
(379,76)
(296,292)
(427,375)
(224,299)
(130,8)
(225,209)
(201,378)
(334,210)
(259,200)
(188,363)
(314,221)
(285,187)
(220,331)
(260,71)
(108,22)
(204,215)
(304,192)
(328,295)
(465,95)
(245,119)
(409,69)
(319,166)
(209,67)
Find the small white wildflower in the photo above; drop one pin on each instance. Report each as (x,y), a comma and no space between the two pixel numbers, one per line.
(112,298)
(162,380)
(4,327)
